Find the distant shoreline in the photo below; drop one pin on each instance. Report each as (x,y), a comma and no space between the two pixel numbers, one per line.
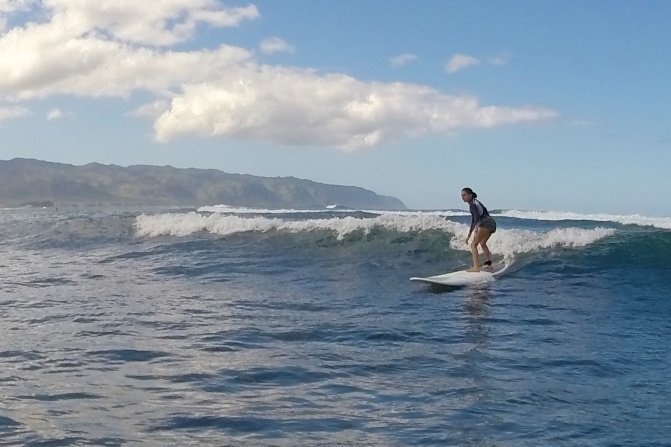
(29,182)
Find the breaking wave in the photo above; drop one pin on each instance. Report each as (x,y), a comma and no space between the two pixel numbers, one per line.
(508,242)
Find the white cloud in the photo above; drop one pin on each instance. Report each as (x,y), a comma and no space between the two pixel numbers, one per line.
(114,48)
(92,48)
(10,6)
(39,66)
(499,59)
(161,22)
(276,45)
(300,107)
(152,110)
(56,114)
(459,62)
(7,113)
(402,59)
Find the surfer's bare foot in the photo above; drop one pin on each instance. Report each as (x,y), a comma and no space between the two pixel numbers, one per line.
(473,269)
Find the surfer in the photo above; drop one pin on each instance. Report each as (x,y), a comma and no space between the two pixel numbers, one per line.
(483,225)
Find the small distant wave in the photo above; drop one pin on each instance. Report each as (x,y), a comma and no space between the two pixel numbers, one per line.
(226,209)
(663,223)
(508,242)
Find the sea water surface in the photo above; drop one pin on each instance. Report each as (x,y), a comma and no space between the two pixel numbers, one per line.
(234,327)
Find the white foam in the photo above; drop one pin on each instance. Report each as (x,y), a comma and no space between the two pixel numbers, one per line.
(222,224)
(512,242)
(506,242)
(630,219)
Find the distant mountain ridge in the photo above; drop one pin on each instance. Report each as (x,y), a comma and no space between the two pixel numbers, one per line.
(27,181)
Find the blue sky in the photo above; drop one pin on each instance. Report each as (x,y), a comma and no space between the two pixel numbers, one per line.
(540,105)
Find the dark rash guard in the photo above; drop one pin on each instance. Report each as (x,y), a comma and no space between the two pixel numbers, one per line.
(478,213)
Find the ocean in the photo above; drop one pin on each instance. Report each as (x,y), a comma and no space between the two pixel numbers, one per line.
(220,326)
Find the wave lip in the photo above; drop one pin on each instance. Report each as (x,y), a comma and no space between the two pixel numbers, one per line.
(226,209)
(663,223)
(223,224)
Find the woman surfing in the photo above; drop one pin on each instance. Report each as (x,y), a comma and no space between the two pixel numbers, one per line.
(483,225)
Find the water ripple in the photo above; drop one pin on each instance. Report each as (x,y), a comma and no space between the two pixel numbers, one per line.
(272,340)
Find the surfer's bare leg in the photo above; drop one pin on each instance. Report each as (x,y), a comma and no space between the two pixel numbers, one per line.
(480,235)
(485,249)
(477,238)
(474,253)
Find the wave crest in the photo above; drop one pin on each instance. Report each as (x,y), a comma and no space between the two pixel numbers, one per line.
(189,223)
(506,242)
(663,223)
(512,242)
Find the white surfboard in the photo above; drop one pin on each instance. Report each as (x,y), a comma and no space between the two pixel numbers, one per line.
(464,278)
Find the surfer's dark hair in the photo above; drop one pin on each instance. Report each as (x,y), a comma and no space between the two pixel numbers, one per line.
(471,192)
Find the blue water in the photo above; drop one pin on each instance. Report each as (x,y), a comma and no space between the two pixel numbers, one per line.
(153,327)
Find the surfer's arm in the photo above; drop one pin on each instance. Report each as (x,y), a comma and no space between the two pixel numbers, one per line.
(474,210)
(470,231)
